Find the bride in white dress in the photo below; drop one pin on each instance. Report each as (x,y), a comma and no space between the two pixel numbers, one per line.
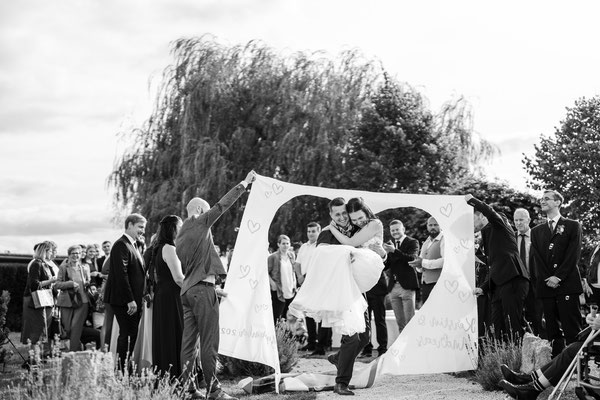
(337,275)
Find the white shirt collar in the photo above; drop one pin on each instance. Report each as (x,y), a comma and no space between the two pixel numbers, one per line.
(555,219)
(527,233)
(132,240)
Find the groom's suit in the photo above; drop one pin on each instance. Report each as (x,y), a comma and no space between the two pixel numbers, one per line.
(351,345)
(125,283)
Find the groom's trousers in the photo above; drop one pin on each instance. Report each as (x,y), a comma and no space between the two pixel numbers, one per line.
(350,348)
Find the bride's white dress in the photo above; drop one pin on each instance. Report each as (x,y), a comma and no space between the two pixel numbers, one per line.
(336,277)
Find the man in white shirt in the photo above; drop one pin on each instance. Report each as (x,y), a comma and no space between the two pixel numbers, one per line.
(312,232)
(431,258)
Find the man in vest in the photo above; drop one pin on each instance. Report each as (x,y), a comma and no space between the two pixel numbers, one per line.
(431,258)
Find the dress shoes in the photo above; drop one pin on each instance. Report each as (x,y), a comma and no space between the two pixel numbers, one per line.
(318,352)
(520,392)
(342,390)
(308,347)
(514,377)
(220,395)
(365,354)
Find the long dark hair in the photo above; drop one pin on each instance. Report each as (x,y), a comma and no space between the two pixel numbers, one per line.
(358,204)
(167,230)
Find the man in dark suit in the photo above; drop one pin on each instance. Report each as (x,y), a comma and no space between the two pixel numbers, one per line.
(556,248)
(376,312)
(351,345)
(533,305)
(403,282)
(508,279)
(125,284)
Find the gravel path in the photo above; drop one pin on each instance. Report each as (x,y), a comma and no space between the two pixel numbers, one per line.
(429,387)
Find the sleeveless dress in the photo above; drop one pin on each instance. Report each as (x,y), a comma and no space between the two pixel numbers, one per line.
(167,320)
(336,278)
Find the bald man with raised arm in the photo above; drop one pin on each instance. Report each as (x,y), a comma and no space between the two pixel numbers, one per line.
(201,265)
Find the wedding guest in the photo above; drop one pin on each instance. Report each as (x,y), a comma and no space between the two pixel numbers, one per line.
(40,276)
(91,260)
(53,252)
(73,300)
(106,245)
(282,277)
(167,317)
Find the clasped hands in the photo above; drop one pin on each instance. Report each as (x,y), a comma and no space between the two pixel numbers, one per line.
(552,282)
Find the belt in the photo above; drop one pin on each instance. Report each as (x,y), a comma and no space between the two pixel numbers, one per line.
(204,283)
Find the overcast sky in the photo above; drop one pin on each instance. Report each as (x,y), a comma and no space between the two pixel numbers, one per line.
(73,74)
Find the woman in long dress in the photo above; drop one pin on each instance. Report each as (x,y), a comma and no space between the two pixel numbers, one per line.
(337,276)
(167,317)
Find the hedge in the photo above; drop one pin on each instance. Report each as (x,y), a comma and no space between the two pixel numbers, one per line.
(13,277)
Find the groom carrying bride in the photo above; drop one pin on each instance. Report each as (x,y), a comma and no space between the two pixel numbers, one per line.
(349,273)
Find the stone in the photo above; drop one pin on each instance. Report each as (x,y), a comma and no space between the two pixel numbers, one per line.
(94,367)
(535,352)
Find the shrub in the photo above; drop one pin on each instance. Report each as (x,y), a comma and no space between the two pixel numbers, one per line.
(4,300)
(13,277)
(287,348)
(492,353)
(57,379)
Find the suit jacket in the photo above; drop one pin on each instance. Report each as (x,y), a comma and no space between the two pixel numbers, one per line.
(531,270)
(500,247)
(67,275)
(35,275)
(125,282)
(274,268)
(557,254)
(399,269)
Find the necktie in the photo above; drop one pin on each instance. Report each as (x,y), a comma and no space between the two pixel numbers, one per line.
(551,225)
(522,250)
(397,244)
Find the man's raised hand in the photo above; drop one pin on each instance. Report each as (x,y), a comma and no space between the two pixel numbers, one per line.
(251,177)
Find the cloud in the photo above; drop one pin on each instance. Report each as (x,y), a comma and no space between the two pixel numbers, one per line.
(49,219)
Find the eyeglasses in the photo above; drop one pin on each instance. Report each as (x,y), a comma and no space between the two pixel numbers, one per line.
(75,252)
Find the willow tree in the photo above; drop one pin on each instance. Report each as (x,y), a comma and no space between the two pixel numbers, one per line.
(222,111)
(400,145)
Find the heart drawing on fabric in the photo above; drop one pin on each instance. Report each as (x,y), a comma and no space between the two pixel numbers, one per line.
(268,194)
(260,307)
(447,210)
(245,270)
(253,283)
(451,286)
(463,296)
(465,243)
(253,227)
(277,188)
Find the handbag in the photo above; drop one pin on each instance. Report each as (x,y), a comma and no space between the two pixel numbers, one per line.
(42,298)
(74,294)
(75,297)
